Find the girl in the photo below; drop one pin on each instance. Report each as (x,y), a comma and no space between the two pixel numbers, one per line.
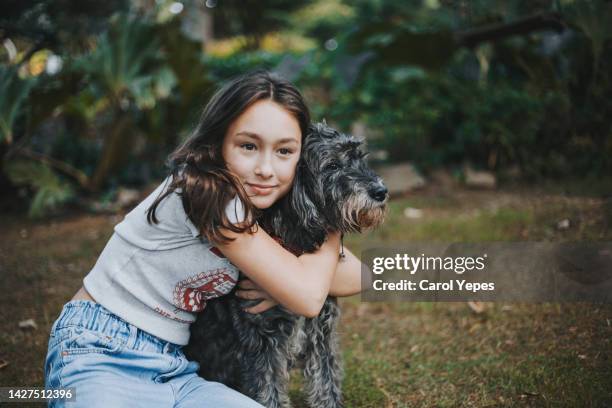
(118,341)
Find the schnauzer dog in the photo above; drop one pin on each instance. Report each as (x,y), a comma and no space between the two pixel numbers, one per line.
(334,190)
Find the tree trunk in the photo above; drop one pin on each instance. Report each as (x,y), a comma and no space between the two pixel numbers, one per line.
(8,191)
(116,146)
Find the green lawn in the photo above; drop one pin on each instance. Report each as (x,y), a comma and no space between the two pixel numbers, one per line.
(395,354)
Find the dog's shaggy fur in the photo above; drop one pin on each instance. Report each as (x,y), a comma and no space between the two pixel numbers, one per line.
(334,190)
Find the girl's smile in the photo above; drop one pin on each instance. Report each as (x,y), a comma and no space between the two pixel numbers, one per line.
(259,189)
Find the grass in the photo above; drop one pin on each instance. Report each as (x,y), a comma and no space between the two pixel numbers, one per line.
(395,354)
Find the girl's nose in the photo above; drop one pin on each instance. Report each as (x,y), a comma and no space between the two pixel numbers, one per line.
(264,167)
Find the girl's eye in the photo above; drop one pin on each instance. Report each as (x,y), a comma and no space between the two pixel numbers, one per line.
(248,146)
(285,151)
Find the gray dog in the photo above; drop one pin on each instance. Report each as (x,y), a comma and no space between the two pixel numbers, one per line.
(334,190)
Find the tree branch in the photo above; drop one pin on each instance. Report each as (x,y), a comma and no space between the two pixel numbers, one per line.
(544,21)
(63,167)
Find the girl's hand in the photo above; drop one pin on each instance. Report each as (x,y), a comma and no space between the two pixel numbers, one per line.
(249,290)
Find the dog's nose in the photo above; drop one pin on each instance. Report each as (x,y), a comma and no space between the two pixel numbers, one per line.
(379,193)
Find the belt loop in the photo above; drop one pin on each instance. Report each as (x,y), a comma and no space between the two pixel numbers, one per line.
(133,336)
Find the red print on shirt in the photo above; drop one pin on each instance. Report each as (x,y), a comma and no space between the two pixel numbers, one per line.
(192,293)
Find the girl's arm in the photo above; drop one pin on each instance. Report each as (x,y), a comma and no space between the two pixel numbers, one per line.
(300,284)
(347,279)
(346,282)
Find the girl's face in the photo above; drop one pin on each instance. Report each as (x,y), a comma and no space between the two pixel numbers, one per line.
(262,146)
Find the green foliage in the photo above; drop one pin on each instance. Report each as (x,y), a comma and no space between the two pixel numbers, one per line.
(322,19)
(49,190)
(535,100)
(438,119)
(252,18)
(13,93)
(57,24)
(239,63)
(127,63)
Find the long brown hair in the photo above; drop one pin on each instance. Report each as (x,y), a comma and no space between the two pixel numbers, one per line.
(199,173)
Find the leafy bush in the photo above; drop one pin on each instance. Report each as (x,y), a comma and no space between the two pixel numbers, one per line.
(50,191)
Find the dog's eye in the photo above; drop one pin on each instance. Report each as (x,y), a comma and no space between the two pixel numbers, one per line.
(332,166)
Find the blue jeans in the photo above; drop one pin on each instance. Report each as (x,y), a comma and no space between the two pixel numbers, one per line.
(112,363)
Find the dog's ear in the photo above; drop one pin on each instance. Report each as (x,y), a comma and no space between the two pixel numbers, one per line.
(306,201)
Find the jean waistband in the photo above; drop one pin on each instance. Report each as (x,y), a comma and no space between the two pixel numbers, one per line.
(93,316)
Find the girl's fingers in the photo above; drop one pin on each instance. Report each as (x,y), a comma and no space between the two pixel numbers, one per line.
(262,306)
(247,284)
(252,294)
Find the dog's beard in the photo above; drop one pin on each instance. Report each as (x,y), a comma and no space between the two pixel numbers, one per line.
(372,217)
(361,212)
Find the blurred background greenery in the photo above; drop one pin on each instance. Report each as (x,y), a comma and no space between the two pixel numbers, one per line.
(94,95)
